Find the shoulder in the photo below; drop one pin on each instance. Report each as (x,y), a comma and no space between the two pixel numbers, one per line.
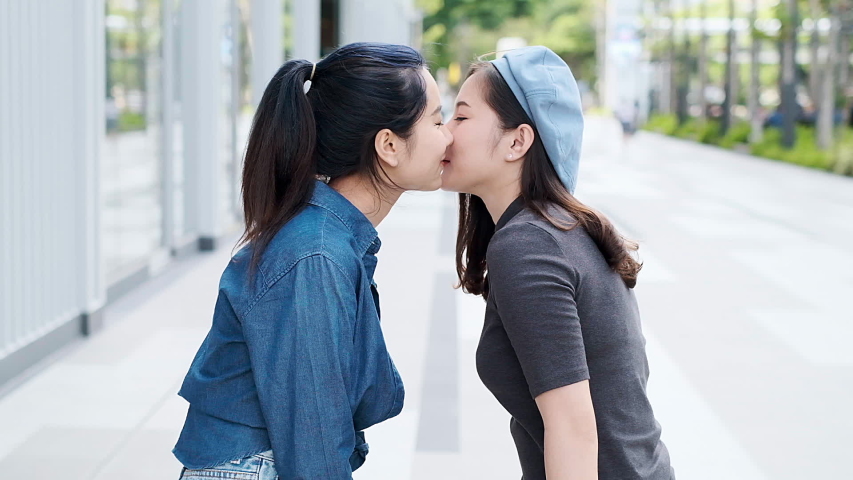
(532,242)
(313,235)
(527,233)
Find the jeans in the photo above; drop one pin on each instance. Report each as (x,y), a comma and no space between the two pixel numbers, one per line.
(256,467)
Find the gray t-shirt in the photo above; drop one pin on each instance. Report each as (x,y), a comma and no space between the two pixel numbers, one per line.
(557,314)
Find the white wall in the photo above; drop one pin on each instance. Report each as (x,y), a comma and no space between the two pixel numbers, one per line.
(51,129)
(389,21)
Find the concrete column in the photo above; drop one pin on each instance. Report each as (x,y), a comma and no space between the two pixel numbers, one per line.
(202,87)
(306,29)
(89,132)
(388,21)
(267,34)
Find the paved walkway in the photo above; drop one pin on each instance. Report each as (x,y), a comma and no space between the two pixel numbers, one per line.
(745,299)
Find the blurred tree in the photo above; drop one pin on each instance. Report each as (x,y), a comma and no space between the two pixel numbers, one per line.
(568,28)
(731,72)
(845,77)
(816,13)
(441,17)
(672,60)
(788,14)
(828,87)
(754,101)
(460,30)
(702,58)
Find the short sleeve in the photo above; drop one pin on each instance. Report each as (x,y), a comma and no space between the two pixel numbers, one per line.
(533,287)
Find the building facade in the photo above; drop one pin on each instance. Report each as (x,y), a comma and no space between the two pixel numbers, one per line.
(122,127)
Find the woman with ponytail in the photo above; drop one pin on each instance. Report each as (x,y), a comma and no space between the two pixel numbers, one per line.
(561,348)
(295,366)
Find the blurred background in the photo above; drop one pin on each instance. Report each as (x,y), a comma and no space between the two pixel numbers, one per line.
(718,134)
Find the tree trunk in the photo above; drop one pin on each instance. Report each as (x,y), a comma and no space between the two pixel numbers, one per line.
(826,111)
(789,75)
(756,131)
(685,69)
(730,68)
(673,62)
(703,60)
(844,80)
(815,12)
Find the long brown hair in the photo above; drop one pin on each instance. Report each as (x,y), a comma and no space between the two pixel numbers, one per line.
(540,188)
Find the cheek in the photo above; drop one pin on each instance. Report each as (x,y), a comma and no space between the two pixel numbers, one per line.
(468,145)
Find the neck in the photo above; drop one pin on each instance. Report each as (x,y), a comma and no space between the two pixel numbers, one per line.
(498,197)
(374,204)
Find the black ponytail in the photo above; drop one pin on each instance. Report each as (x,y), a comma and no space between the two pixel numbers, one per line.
(279,168)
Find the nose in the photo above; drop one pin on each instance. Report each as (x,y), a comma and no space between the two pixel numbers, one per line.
(450,126)
(448,135)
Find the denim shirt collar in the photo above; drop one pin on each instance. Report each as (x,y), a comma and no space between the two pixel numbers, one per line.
(366,236)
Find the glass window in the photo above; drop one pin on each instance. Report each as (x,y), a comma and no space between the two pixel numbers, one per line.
(227,116)
(131,167)
(178,183)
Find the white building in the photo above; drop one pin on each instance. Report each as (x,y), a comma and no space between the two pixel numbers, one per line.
(122,124)
(624,71)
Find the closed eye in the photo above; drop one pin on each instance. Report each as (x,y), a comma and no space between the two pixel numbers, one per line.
(459,119)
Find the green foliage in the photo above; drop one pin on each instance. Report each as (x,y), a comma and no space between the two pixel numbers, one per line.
(130,121)
(709,133)
(737,134)
(461,30)
(844,153)
(804,153)
(689,130)
(665,124)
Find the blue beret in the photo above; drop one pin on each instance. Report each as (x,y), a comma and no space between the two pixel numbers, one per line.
(546,89)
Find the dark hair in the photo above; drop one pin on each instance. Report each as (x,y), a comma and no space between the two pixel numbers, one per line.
(540,188)
(357,91)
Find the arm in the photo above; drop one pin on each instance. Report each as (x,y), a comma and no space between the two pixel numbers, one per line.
(571,438)
(299,337)
(534,288)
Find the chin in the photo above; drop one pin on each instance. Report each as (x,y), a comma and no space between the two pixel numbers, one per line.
(449,187)
(435,186)
(430,186)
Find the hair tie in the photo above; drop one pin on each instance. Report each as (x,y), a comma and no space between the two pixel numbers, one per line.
(307,85)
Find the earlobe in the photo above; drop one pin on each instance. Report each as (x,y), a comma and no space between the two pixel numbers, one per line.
(522,142)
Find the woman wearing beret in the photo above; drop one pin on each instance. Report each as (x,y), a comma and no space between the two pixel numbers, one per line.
(562,347)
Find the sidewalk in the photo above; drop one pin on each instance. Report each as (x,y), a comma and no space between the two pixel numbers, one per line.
(745,302)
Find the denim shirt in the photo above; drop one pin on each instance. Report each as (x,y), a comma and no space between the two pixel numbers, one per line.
(295,360)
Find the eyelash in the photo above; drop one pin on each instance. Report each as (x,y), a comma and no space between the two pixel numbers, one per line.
(459,119)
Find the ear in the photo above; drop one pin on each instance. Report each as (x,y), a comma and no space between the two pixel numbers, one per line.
(388,147)
(521,139)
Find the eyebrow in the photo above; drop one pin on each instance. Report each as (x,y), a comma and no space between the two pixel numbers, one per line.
(462,104)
